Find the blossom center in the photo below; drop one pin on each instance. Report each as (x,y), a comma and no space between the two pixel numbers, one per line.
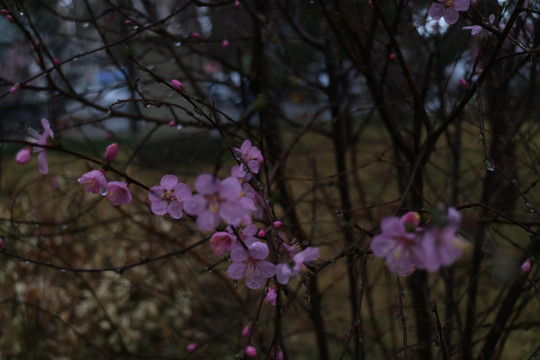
(168,196)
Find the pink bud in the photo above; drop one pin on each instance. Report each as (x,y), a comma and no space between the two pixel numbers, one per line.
(463,83)
(225,42)
(14,89)
(196,35)
(9,17)
(128,22)
(24,156)
(2,243)
(111,152)
(261,233)
(178,86)
(526,266)
(277,224)
(392,56)
(4,12)
(247,330)
(251,351)
(172,123)
(191,347)
(411,218)
(237,3)
(56,61)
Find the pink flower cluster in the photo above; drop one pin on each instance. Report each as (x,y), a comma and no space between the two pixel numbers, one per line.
(95,182)
(405,246)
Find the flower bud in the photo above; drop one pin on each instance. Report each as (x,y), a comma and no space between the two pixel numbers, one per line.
(526,266)
(178,86)
(251,351)
(111,152)
(24,156)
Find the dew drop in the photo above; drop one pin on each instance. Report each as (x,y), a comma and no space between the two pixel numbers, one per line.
(85,25)
(489,165)
(179,43)
(150,67)
(178,127)
(21,13)
(530,206)
(104,192)
(75,59)
(338,212)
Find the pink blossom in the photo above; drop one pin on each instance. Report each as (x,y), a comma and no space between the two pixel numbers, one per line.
(250,156)
(271,296)
(191,347)
(285,271)
(397,242)
(239,172)
(237,3)
(257,202)
(94,181)
(169,197)
(14,89)
(261,233)
(221,242)
(448,10)
(250,264)
(439,245)
(251,351)
(178,86)
(111,152)
(24,155)
(277,224)
(216,200)
(118,193)
(225,43)
(480,31)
